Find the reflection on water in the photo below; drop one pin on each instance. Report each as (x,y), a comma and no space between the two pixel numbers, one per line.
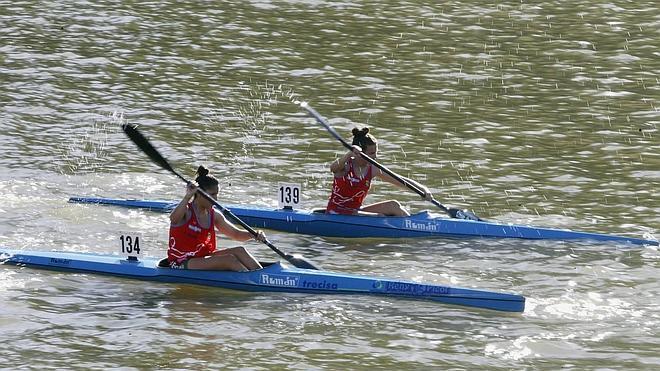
(539,113)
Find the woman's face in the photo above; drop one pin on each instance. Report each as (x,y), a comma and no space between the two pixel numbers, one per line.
(213,192)
(371,151)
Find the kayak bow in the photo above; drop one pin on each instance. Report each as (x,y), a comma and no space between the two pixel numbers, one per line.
(422,224)
(274,277)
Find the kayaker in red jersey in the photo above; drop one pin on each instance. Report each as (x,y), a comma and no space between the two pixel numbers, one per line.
(193,223)
(352,181)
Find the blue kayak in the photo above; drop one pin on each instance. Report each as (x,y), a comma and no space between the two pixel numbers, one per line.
(422,224)
(275,277)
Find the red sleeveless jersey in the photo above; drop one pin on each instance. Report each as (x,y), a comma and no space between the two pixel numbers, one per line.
(349,191)
(189,240)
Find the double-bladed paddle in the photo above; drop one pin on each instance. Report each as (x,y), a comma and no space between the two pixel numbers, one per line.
(452,212)
(143,143)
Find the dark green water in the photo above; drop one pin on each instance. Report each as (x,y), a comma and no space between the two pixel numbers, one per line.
(543,113)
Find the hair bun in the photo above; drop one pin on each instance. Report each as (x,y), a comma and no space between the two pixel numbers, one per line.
(202,171)
(360,132)
(362,138)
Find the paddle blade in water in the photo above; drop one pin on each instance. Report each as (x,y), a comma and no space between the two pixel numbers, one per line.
(143,143)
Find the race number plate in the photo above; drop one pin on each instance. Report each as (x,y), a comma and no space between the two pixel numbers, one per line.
(288,195)
(130,245)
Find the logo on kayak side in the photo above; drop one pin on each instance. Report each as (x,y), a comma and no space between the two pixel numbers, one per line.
(413,288)
(320,285)
(429,227)
(279,280)
(60,261)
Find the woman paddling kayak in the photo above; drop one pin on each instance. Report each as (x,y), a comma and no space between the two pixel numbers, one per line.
(352,181)
(193,223)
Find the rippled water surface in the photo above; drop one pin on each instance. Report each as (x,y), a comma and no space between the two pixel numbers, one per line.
(543,113)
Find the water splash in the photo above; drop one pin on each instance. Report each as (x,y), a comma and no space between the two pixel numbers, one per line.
(89,150)
(249,115)
(256,105)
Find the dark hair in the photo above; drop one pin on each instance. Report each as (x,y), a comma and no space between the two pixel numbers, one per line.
(362,138)
(204,180)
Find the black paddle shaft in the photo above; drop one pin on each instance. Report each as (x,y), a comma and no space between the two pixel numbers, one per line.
(452,212)
(143,143)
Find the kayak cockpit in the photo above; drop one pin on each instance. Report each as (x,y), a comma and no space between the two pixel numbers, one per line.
(164,263)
